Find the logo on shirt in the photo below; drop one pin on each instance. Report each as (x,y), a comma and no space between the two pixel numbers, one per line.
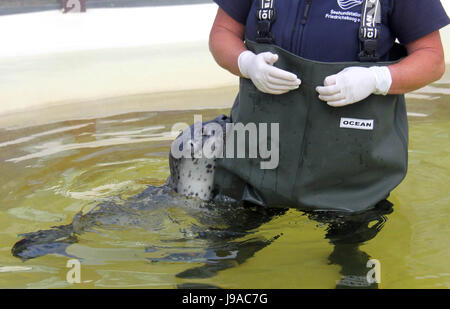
(348,4)
(360,124)
(346,14)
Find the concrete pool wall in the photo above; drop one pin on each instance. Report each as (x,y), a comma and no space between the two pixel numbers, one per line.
(50,59)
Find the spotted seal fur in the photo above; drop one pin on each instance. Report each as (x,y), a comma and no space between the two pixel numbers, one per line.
(192,174)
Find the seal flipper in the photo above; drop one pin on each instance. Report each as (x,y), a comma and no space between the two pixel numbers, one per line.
(44,242)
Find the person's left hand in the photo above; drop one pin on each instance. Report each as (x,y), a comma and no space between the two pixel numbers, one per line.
(354,84)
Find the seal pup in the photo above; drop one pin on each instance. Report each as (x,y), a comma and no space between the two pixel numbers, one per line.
(193,157)
(191,175)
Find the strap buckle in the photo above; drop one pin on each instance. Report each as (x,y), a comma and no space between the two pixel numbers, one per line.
(369,51)
(263,33)
(266,16)
(369,31)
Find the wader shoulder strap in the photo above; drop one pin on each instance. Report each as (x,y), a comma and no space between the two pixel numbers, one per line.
(266,17)
(369,31)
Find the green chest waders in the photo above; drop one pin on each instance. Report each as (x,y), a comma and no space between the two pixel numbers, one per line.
(324,163)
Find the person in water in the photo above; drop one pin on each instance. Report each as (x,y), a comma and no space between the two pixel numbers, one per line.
(333,75)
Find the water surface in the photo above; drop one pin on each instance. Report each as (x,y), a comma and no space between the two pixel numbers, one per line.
(51,171)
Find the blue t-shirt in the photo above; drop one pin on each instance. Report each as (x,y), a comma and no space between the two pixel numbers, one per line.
(330,32)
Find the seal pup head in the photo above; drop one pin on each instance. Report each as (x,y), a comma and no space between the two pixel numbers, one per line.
(193,156)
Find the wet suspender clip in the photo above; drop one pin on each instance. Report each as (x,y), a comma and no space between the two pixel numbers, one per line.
(369,31)
(266,17)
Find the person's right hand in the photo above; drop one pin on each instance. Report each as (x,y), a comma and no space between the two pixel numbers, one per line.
(267,78)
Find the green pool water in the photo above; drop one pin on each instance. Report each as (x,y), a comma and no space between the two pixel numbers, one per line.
(51,171)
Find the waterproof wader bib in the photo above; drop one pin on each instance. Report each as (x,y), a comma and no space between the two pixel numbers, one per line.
(345,159)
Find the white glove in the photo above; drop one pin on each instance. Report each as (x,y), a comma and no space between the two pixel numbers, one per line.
(267,78)
(354,84)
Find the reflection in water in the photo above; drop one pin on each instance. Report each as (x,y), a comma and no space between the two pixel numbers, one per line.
(347,233)
(225,227)
(207,238)
(223,224)
(226,248)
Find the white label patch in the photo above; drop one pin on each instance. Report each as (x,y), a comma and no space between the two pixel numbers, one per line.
(360,124)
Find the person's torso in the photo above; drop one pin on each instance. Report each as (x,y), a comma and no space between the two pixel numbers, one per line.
(322,30)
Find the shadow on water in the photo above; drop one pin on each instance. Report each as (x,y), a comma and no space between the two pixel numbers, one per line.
(226,228)
(347,233)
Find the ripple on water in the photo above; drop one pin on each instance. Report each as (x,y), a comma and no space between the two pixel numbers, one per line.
(54,171)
